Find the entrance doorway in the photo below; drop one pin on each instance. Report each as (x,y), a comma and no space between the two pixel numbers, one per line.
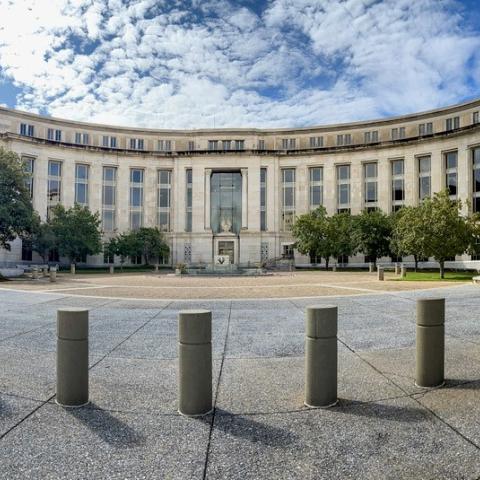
(227,248)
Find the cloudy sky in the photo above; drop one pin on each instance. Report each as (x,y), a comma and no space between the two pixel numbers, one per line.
(202,63)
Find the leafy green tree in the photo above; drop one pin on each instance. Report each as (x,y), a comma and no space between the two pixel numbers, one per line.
(341,230)
(311,234)
(43,239)
(16,211)
(77,232)
(372,232)
(152,243)
(409,233)
(447,232)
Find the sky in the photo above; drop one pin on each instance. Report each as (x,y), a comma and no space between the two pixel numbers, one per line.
(208,63)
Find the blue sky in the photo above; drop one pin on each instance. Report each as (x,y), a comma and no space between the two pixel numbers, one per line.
(200,63)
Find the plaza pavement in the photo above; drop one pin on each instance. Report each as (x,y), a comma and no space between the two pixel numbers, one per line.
(383,428)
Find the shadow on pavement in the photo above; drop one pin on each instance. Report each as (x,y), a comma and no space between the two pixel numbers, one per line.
(110,429)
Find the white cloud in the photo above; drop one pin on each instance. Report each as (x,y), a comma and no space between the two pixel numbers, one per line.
(193,64)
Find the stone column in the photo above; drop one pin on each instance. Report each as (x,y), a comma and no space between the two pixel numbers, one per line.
(195,362)
(244,198)
(430,345)
(321,356)
(208,175)
(380,273)
(53,274)
(72,357)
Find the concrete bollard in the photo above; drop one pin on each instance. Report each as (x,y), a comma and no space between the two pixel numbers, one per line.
(195,362)
(156,268)
(370,267)
(72,357)
(53,274)
(112,269)
(72,269)
(403,271)
(380,274)
(397,269)
(430,357)
(334,268)
(35,273)
(45,271)
(321,356)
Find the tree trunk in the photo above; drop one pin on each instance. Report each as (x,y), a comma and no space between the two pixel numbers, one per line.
(416,262)
(442,269)
(326,263)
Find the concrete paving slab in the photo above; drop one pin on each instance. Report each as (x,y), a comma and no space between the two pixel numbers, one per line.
(379,338)
(91,443)
(386,440)
(13,409)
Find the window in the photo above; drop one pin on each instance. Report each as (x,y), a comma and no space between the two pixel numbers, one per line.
(287,251)
(213,144)
(425,129)
(165,145)
(264,251)
(452,123)
(370,172)
(451,173)
(136,144)
(371,137)
(27,130)
(54,184)
(343,188)
(288,198)
(164,199)
(261,145)
(54,135)
(109,142)
(188,203)
(136,259)
(398,184)
(475,118)
(136,198)
(239,144)
(316,187)
(476,179)
(81,184)
(191,145)
(345,139)
(316,142)
(288,143)
(27,250)
(424,178)
(398,133)
(28,167)
(109,188)
(226,144)
(81,138)
(187,253)
(263,199)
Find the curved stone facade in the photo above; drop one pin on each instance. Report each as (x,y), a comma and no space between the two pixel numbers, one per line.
(235,192)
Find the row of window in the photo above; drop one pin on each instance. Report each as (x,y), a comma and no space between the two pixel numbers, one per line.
(396,133)
(288,178)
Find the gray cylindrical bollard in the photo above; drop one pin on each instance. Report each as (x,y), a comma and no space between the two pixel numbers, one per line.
(403,271)
(397,269)
(334,268)
(45,271)
(156,268)
(53,274)
(430,357)
(72,357)
(195,362)
(370,267)
(35,273)
(380,274)
(72,268)
(321,356)
(112,269)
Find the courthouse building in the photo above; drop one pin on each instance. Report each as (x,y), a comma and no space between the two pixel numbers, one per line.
(237,192)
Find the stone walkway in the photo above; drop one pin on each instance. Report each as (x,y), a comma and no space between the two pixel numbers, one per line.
(383,428)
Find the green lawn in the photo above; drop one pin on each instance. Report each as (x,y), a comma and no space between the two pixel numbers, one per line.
(434,275)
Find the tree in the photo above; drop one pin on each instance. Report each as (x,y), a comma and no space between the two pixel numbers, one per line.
(16,211)
(447,232)
(152,243)
(341,235)
(43,239)
(310,232)
(373,231)
(77,232)
(409,233)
